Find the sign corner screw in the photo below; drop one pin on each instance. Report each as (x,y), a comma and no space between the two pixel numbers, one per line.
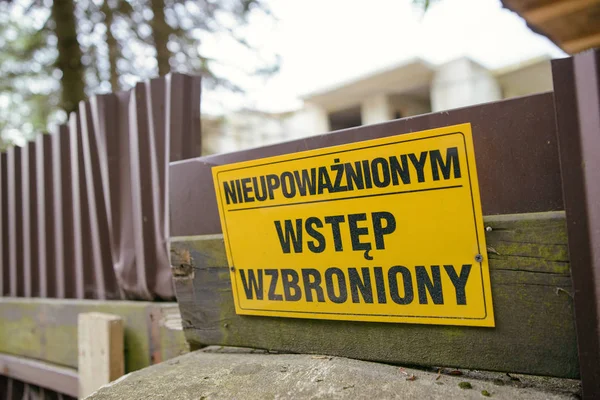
(478,258)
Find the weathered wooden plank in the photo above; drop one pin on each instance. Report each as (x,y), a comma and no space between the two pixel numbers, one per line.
(46,329)
(60,379)
(531,286)
(100,349)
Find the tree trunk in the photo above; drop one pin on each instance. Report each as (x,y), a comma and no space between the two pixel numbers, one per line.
(69,54)
(160,34)
(113,46)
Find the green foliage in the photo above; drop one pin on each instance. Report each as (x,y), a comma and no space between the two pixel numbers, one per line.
(27,86)
(188,24)
(120,41)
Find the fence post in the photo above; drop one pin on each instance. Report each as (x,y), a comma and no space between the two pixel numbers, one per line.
(577,103)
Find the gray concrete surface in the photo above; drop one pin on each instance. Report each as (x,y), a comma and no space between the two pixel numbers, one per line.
(229,373)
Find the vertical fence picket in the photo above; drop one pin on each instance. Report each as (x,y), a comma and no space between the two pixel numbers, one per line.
(123,238)
(104,278)
(182,141)
(105,162)
(45,217)
(183,114)
(29,214)
(79,200)
(4,248)
(183,128)
(141,187)
(159,279)
(62,186)
(15,220)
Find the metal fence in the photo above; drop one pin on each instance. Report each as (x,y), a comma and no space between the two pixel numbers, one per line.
(84,211)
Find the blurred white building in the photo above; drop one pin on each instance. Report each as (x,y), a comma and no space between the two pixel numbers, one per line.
(412,88)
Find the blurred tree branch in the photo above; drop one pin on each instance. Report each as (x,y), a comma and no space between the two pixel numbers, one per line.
(423,4)
(54,52)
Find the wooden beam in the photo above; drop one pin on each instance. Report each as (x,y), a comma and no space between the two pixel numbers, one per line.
(581,44)
(48,376)
(555,9)
(531,287)
(100,344)
(46,329)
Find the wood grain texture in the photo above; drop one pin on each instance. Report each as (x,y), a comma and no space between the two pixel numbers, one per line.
(100,349)
(531,285)
(46,329)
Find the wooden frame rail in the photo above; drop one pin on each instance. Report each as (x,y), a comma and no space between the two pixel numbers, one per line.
(60,379)
(39,337)
(531,284)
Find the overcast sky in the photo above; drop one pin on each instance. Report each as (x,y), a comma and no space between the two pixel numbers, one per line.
(326,42)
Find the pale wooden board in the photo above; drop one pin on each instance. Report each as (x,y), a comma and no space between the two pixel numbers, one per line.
(100,349)
(531,289)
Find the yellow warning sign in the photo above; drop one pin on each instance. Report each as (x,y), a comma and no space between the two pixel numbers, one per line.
(387,230)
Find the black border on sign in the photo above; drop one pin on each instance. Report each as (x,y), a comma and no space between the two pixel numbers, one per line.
(411,191)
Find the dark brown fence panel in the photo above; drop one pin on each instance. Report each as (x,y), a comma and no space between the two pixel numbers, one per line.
(83,211)
(515,147)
